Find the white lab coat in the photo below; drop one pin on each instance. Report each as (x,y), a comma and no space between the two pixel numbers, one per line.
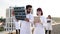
(17,23)
(49,25)
(40,28)
(25,26)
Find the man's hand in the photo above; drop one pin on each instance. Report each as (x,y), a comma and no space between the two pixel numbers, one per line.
(26,19)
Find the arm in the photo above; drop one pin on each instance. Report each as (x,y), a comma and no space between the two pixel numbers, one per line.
(14,19)
(20,23)
(29,18)
(44,22)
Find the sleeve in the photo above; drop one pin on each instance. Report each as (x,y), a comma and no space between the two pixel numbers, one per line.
(44,22)
(31,19)
(20,23)
(51,21)
(14,19)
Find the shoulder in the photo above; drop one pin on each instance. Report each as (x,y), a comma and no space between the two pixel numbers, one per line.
(43,17)
(31,14)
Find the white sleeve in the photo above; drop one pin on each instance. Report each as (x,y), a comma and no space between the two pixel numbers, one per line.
(51,21)
(14,19)
(31,19)
(19,23)
(44,22)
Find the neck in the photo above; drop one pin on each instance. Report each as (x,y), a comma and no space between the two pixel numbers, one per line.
(38,15)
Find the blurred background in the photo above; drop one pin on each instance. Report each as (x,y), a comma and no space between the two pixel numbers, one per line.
(49,7)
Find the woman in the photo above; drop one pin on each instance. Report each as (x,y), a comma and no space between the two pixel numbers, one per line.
(49,25)
(40,26)
(16,22)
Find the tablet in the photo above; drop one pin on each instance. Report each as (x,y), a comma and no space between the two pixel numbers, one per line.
(36,19)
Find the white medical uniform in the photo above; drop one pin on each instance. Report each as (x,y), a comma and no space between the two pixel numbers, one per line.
(49,25)
(25,26)
(17,23)
(40,28)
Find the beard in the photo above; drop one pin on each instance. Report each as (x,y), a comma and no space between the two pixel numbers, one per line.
(28,12)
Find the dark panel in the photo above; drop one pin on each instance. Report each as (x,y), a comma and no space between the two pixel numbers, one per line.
(19,13)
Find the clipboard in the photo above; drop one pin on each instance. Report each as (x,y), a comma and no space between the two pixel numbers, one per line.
(37,19)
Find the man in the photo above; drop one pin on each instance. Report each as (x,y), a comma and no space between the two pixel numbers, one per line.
(25,25)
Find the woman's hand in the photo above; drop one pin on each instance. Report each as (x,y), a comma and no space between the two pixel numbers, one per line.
(40,22)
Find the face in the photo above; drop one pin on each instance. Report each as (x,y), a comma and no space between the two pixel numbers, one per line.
(29,10)
(13,13)
(39,13)
(49,17)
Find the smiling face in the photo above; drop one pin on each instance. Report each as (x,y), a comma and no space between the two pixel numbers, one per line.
(39,13)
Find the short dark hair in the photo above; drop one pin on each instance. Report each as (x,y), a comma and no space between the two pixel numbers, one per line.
(28,6)
(39,9)
(49,16)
